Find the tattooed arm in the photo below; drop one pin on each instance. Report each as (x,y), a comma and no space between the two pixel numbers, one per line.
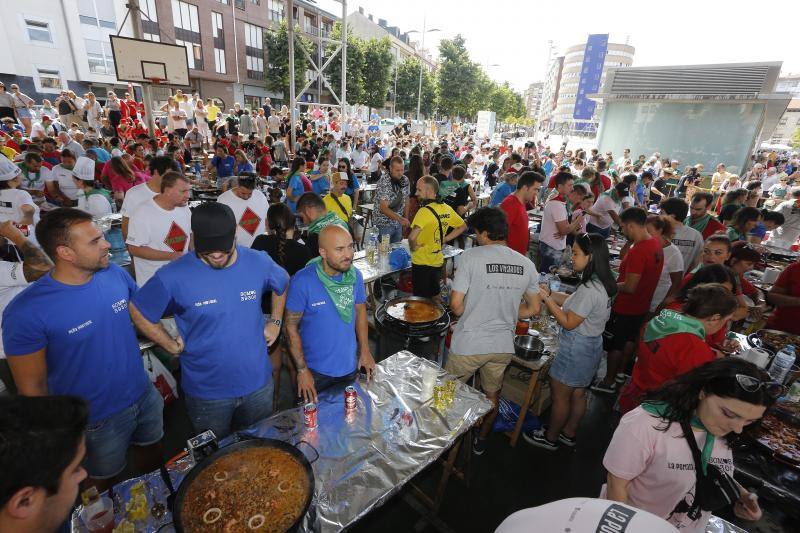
(36,263)
(305,381)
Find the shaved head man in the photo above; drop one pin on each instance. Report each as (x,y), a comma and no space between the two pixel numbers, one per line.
(326,317)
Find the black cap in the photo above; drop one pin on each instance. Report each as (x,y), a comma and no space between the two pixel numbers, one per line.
(214,227)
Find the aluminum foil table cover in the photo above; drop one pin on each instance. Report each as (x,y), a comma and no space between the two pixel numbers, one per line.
(394,434)
(364,458)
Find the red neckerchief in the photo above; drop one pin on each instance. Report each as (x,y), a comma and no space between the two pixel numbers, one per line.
(559,198)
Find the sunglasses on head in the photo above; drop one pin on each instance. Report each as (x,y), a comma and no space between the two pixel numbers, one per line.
(773,389)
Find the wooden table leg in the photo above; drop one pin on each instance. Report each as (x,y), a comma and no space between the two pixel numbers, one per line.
(448,467)
(533,386)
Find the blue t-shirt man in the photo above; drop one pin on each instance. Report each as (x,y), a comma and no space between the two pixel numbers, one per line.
(295,187)
(218,313)
(500,193)
(90,345)
(329,344)
(351,189)
(224,166)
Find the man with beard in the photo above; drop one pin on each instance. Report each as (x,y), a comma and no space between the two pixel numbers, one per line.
(390,198)
(215,294)
(77,339)
(326,317)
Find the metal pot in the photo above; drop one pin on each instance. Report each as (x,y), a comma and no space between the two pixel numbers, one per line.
(528,347)
(177,510)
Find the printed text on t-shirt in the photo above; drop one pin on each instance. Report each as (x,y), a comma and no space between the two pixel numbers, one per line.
(497,268)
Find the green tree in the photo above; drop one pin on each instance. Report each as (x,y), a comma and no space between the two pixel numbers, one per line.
(408,88)
(378,72)
(355,66)
(277,71)
(506,103)
(458,79)
(796,138)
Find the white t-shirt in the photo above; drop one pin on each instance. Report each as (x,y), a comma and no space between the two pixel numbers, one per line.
(359,158)
(375,162)
(769,181)
(251,215)
(178,118)
(660,467)
(12,282)
(554,211)
(602,206)
(136,196)
(785,235)
(673,262)
(690,242)
(274,123)
(35,180)
(11,202)
(159,229)
(64,178)
(95,204)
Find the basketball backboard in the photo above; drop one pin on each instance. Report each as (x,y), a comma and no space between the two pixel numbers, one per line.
(138,61)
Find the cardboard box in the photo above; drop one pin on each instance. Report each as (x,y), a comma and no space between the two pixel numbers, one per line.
(515,385)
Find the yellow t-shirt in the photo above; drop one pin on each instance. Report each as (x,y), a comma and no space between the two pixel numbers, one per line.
(331,204)
(213,111)
(9,152)
(429,251)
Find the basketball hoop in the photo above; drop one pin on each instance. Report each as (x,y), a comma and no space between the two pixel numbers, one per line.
(156,80)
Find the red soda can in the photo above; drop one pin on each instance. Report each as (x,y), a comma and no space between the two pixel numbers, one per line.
(350,416)
(310,415)
(350,398)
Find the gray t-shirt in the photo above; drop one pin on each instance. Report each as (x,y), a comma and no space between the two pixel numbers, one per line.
(690,242)
(590,301)
(494,278)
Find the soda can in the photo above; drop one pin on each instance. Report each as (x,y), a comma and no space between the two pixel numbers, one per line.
(350,398)
(350,416)
(310,415)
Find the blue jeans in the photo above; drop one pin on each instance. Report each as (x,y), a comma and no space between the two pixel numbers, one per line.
(107,440)
(322,382)
(394,231)
(548,257)
(229,414)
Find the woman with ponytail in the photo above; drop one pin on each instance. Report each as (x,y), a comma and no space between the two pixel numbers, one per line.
(280,244)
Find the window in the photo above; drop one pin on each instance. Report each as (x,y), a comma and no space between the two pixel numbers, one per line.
(49,80)
(783,121)
(239,4)
(276,10)
(101,60)
(150,30)
(38,31)
(254,51)
(97,13)
(187,32)
(226,2)
(219,43)
(219,61)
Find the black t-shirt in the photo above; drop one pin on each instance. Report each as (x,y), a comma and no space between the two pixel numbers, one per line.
(64,108)
(295,257)
(459,198)
(267,110)
(440,177)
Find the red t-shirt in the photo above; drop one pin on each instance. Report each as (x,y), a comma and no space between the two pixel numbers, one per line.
(786,318)
(747,287)
(713,226)
(518,232)
(645,258)
(664,359)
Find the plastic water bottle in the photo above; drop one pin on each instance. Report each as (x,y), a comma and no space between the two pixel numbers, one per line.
(782,363)
(371,245)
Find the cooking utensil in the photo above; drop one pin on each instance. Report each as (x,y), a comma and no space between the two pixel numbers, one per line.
(250,442)
(772,339)
(436,311)
(528,347)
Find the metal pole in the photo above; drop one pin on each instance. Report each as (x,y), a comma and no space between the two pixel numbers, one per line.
(419,91)
(292,96)
(343,96)
(394,93)
(147,96)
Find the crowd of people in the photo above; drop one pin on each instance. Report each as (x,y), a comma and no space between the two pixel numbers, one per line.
(268,269)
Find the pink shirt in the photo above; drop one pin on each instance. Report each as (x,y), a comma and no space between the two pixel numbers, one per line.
(660,467)
(119,183)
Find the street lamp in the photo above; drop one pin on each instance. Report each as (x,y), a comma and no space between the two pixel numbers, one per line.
(422,47)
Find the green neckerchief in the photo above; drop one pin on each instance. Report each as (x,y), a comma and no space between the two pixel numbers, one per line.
(660,409)
(669,322)
(326,220)
(102,192)
(734,235)
(341,292)
(448,187)
(700,225)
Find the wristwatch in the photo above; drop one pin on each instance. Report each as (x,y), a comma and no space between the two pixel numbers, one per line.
(277,321)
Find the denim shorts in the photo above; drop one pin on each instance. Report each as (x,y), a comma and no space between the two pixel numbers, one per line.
(24,112)
(548,257)
(577,359)
(107,440)
(229,414)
